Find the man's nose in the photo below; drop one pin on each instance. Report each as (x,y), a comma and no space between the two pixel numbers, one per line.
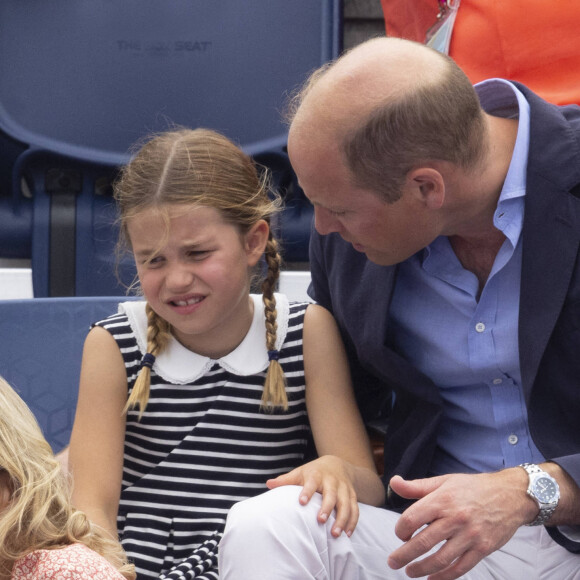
(324,222)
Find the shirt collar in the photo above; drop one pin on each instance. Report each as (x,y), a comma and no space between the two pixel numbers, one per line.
(501,98)
(179,365)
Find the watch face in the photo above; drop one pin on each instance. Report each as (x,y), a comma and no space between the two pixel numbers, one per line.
(545,489)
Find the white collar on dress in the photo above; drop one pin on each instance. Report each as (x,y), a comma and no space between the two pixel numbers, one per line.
(177,364)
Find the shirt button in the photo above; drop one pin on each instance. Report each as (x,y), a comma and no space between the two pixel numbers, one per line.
(512,439)
(480,327)
(497,381)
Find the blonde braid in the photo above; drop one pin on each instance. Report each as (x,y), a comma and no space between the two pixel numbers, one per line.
(274,395)
(158,334)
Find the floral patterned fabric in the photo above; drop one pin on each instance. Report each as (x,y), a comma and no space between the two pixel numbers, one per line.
(75,562)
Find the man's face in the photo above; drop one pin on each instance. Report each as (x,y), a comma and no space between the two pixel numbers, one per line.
(387,233)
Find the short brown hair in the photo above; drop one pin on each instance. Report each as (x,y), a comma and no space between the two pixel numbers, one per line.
(439,121)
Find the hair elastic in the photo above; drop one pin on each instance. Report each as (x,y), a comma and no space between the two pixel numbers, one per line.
(273,355)
(147,360)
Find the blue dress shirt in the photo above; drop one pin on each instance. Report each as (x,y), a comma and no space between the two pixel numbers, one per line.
(469,347)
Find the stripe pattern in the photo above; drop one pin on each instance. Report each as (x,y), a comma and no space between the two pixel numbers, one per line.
(197,450)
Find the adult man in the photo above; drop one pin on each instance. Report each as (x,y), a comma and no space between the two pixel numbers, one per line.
(447,249)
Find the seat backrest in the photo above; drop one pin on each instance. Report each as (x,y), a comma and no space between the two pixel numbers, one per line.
(82,80)
(87,78)
(41,343)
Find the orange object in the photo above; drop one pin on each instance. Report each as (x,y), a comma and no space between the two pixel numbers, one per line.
(531,41)
(409,19)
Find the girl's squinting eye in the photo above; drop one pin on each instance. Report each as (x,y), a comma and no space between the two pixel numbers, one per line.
(152,262)
(198,254)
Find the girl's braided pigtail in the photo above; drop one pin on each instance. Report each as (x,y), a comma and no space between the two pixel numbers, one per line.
(274,395)
(158,333)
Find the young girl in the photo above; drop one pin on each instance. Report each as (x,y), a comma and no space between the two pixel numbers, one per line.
(223,386)
(41,536)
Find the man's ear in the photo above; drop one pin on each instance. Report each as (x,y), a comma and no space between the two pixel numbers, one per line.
(255,241)
(428,185)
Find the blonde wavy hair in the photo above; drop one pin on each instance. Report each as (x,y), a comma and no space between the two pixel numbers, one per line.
(39,515)
(188,168)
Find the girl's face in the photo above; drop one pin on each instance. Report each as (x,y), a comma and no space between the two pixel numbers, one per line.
(5,489)
(196,274)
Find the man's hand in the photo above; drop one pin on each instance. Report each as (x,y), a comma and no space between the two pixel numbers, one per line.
(466,516)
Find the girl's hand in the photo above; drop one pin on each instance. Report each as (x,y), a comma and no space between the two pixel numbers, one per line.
(333,478)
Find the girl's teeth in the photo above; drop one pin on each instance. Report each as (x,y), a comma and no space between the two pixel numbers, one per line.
(187,302)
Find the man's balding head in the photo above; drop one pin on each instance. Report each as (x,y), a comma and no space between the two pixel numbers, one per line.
(389,105)
(364,77)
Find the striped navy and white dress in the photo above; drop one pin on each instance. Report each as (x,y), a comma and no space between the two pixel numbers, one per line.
(202,443)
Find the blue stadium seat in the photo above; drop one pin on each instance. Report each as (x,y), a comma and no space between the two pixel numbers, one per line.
(41,342)
(82,80)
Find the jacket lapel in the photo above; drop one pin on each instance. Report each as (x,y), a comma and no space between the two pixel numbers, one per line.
(551,231)
(551,238)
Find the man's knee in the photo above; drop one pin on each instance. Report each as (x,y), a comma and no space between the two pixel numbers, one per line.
(274,531)
(277,510)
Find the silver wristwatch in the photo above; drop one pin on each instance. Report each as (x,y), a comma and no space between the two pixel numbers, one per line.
(544,489)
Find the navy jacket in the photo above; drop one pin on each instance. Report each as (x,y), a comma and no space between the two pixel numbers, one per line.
(358,293)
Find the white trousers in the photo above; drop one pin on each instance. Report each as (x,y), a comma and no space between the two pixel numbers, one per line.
(273,537)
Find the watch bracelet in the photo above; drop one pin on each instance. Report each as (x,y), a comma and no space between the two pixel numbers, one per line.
(543,516)
(545,513)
